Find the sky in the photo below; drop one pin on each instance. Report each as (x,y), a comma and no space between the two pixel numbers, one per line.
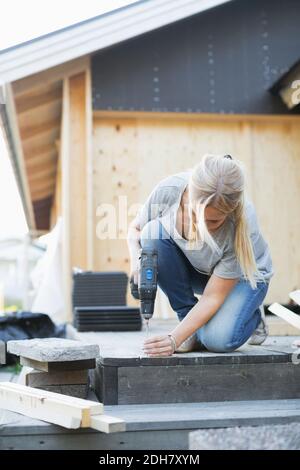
(12,219)
(22,20)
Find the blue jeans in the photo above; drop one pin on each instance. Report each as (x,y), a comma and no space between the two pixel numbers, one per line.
(236,319)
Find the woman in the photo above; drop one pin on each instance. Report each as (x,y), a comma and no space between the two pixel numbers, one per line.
(208,242)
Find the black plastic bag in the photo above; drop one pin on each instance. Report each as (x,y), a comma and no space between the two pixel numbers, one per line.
(28,325)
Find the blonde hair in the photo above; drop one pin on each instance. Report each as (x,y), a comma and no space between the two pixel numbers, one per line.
(219,182)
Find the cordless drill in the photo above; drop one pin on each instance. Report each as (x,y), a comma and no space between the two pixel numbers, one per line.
(146,289)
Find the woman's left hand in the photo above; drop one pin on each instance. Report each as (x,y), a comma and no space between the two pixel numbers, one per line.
(159,346)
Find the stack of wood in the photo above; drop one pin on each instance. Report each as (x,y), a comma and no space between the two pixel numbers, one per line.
(99,302)
(69,412)
(56,365)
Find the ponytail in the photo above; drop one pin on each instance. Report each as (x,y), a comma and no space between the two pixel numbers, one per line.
(243,246)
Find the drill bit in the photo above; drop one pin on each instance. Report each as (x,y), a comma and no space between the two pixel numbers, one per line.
(147,332)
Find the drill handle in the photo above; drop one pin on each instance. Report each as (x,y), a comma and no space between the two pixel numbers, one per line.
(134,288)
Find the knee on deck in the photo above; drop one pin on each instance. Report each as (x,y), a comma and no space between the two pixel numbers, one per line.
(219,342)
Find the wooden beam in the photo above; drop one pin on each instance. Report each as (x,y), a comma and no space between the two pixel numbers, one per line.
(295,296)
(107,424)
(19,164)
(30,132)
(56,408)
(38,162)
(76,172)
(41,194)
(216,117)
(52,75)
(52,407)
(44,172)
(56,209)
(43,184)
(59,365)
(89,172)
(36,378)
(28,103)
(66,200)
(40,141)
(31,154)
(46,112)
(285,314)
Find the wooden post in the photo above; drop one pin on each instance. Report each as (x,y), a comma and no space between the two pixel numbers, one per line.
(76,164)
(77,170)
(89,172)
(65,166)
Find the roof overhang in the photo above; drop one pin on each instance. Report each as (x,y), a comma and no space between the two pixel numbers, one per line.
(96,34)
(31,76)
(12,137)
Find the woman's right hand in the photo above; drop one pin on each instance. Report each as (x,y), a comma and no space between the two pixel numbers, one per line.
(135,266)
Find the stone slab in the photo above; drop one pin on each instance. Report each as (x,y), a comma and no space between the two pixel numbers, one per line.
(53,349)
(275,437)
(2,352)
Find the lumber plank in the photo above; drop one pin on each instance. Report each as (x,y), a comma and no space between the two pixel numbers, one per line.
(50,76)
(27,103)
(285,314)
(58,366)
(95,407)
(295,296)
(107,424)
(30,132)
(57,409)
(53,407)
(37,406)
(36,378)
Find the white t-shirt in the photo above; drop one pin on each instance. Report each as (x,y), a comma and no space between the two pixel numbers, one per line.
(163,203)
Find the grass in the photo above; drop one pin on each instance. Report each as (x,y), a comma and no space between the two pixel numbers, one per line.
(13,369)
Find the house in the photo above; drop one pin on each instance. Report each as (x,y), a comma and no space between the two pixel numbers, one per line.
(107,107)
(18,257)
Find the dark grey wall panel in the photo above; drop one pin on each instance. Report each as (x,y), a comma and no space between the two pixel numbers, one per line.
(223,60)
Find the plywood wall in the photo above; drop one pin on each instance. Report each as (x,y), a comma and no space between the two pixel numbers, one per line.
(132,154)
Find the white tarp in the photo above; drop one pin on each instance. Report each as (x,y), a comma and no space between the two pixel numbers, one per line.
(47,278)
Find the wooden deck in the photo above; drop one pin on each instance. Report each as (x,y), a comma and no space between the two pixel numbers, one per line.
(163,399)
(164,426)
(125,348)
(124,375)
